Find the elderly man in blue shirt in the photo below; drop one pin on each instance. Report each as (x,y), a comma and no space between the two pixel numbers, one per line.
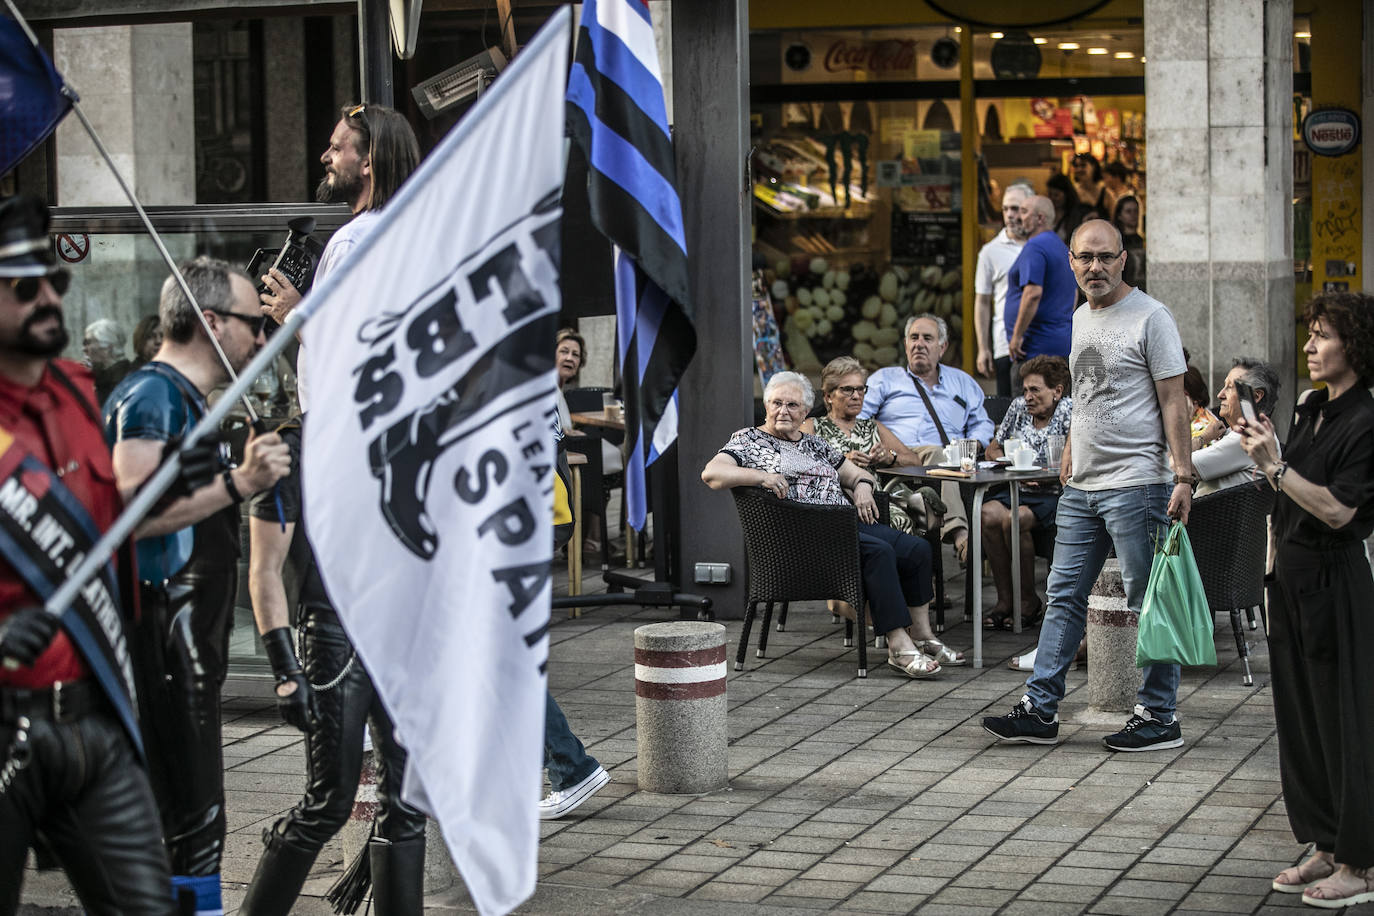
(927,406)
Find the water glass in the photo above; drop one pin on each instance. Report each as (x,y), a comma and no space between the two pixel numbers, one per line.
(968,454)
(1054,450)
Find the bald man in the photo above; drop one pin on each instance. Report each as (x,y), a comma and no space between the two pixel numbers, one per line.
(1041,290)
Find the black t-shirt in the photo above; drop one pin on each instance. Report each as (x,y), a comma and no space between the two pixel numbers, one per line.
(1340,457)
(264,506)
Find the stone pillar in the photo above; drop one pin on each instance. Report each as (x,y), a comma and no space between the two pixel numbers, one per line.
(1113,678)
(288,149)
(1219,122)
(680,708)
(710,43)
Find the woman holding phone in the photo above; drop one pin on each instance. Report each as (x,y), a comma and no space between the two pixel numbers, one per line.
(1321,631)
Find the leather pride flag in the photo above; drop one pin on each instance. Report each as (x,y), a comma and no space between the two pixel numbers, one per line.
(616,113)
(31,98)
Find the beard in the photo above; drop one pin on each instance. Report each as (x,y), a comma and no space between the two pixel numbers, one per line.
(32,344)
(337,191)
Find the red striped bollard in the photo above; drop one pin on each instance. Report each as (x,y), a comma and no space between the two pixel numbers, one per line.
(680,707)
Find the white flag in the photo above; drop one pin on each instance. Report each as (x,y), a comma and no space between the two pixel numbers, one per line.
(429,463)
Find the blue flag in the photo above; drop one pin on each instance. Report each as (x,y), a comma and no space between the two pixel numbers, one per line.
(31,99)
(616,113)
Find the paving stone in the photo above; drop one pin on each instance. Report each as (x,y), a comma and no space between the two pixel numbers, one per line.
(881,902)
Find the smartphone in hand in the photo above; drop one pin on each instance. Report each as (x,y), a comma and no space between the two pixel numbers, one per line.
(1246,395)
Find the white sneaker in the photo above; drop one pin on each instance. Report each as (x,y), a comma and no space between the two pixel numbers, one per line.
(557,804)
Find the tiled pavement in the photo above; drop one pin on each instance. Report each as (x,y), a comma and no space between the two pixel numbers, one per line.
(879,796)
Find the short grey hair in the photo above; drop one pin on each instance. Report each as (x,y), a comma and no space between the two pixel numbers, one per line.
(106,332)
(209,281)
(794,379)
(1262,377)
(940,324)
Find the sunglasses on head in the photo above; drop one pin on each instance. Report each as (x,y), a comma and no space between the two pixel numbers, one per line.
(254,322)
(26,288)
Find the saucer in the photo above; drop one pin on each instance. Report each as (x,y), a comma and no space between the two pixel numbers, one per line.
(1033,467)
(952,465)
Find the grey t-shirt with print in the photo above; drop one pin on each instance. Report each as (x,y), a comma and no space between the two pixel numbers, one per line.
(1119,352)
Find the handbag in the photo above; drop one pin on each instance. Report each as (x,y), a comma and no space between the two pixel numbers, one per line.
(1175,621)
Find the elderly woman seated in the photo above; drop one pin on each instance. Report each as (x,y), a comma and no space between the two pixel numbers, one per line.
(1218,459)
(1041,412)
(780,458)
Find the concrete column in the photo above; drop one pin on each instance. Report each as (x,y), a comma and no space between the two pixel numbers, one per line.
(1218,84)
(288,149)
(711,133)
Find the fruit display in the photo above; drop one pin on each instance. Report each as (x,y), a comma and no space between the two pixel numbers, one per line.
(834,310)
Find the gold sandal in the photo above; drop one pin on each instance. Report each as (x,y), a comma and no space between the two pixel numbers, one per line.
(920,666)
(943,654)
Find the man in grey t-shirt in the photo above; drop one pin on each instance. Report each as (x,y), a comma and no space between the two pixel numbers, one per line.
(1129,411)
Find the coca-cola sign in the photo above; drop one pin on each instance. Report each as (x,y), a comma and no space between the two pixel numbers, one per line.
(878,57)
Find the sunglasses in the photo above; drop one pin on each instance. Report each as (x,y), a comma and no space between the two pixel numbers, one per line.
(360,112)
(26,288)
(255,322)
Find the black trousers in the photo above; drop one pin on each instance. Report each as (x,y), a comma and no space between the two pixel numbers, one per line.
(897,574)
(334,752)
(181,648)
(1321,636)
(85,791)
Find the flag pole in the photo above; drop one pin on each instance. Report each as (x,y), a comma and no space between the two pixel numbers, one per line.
(166,474)
(142,214)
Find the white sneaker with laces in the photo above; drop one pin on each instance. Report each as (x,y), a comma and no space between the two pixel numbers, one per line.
(557,804)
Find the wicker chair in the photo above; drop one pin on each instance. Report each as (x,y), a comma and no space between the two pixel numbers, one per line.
(1230,538)
(797,552)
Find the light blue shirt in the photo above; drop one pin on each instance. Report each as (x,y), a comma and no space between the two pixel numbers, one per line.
(893,401)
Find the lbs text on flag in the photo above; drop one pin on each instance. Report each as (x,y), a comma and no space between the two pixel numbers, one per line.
(617,114)
(429,470)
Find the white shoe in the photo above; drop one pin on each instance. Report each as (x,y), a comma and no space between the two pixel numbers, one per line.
(1023,662)
(557,804)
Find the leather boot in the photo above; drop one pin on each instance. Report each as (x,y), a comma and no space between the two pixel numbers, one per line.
(398,876)
(281,873)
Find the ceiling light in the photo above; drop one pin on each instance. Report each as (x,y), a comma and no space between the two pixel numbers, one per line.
(1142,58)
(957,30)
(1097,50)
(996,35)
(1068,46)
(1041,41)
(1302,34)
(1122,55)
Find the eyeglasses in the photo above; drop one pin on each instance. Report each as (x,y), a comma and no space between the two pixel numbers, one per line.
(26,288)
(789,406)
(1086,258)
(850,390)
(255,322)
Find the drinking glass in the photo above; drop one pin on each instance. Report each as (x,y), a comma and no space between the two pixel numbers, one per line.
(968,454)
(1054,450)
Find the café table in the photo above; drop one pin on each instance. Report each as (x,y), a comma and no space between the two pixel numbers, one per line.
(606,419)
(986,475)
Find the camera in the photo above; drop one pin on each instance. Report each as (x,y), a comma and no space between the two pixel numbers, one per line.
(297,258)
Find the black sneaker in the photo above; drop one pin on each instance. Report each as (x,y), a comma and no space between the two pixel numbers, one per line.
(1024,725)
(1143,732)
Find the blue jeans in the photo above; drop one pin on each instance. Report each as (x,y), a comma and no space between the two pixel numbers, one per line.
(566,759)
(1090,523)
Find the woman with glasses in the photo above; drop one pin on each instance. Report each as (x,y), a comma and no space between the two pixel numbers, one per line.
(865,443)
(791,464)
(1321,631)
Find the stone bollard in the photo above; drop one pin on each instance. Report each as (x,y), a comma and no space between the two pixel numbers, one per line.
(1113,678)
(680,707)
(440,872)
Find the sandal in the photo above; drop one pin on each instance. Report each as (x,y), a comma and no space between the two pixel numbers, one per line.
(920,666)
(1341,896)
(942,653)
(961,548)
(1309,871)
(997,619)
(1033,618)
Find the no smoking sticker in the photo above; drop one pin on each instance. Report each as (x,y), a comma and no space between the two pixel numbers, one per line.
(73,248)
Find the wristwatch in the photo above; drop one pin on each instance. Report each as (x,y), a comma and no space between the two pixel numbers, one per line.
(1278,476)
(1190,479)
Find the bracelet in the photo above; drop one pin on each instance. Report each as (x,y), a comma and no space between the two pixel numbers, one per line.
(867,480)
(229,485)
(1190,479)
(1277,479)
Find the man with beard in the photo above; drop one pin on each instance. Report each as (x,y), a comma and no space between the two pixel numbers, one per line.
(188,557)
(371,151)
(990,290)
(1129,410)
(69,770)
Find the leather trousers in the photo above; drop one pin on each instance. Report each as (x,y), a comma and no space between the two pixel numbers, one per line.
(181,646)
(86,793)
(334,752)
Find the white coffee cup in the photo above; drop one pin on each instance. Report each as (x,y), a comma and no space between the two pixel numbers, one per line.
(1023,458)
(1010,447)
(952,453)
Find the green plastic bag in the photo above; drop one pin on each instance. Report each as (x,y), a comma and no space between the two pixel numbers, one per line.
(1175,621)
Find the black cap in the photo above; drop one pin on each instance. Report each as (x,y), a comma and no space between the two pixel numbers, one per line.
(25,250)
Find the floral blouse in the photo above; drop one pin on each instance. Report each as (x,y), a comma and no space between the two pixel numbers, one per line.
(1019,424)
(810,464)
(861,438)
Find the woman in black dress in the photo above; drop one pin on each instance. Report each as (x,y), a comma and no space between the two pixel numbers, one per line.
(1321,628)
